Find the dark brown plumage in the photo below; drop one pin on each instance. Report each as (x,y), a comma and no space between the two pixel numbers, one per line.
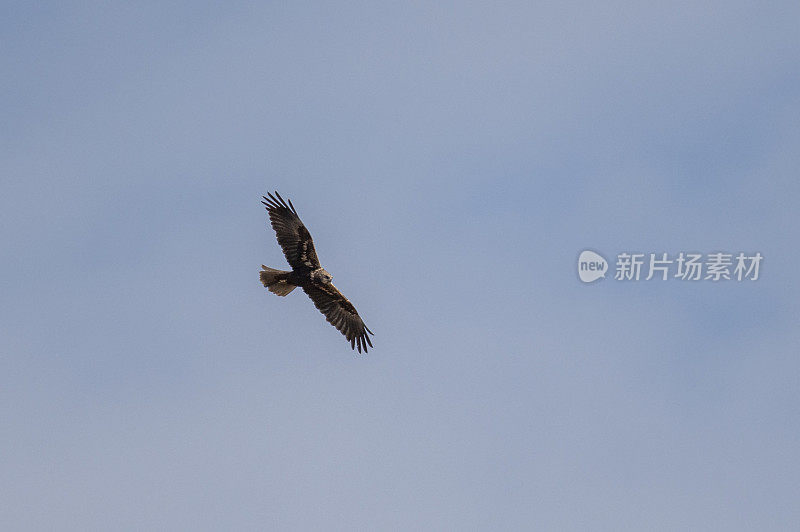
(298,247)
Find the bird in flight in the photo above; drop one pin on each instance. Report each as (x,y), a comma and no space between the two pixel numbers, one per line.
(308,274)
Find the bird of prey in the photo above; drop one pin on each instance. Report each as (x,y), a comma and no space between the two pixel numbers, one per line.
(308,274)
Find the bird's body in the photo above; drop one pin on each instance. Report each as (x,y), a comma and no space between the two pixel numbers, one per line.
(308,274)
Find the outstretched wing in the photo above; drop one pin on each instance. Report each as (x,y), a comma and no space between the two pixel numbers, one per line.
(294,238)
(340,313)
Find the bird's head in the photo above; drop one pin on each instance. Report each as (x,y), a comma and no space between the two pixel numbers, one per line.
(322,275)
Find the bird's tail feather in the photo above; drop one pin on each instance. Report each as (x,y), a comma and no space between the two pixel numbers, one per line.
(275,281)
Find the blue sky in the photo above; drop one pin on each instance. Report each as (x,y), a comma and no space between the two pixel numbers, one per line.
(451,161)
